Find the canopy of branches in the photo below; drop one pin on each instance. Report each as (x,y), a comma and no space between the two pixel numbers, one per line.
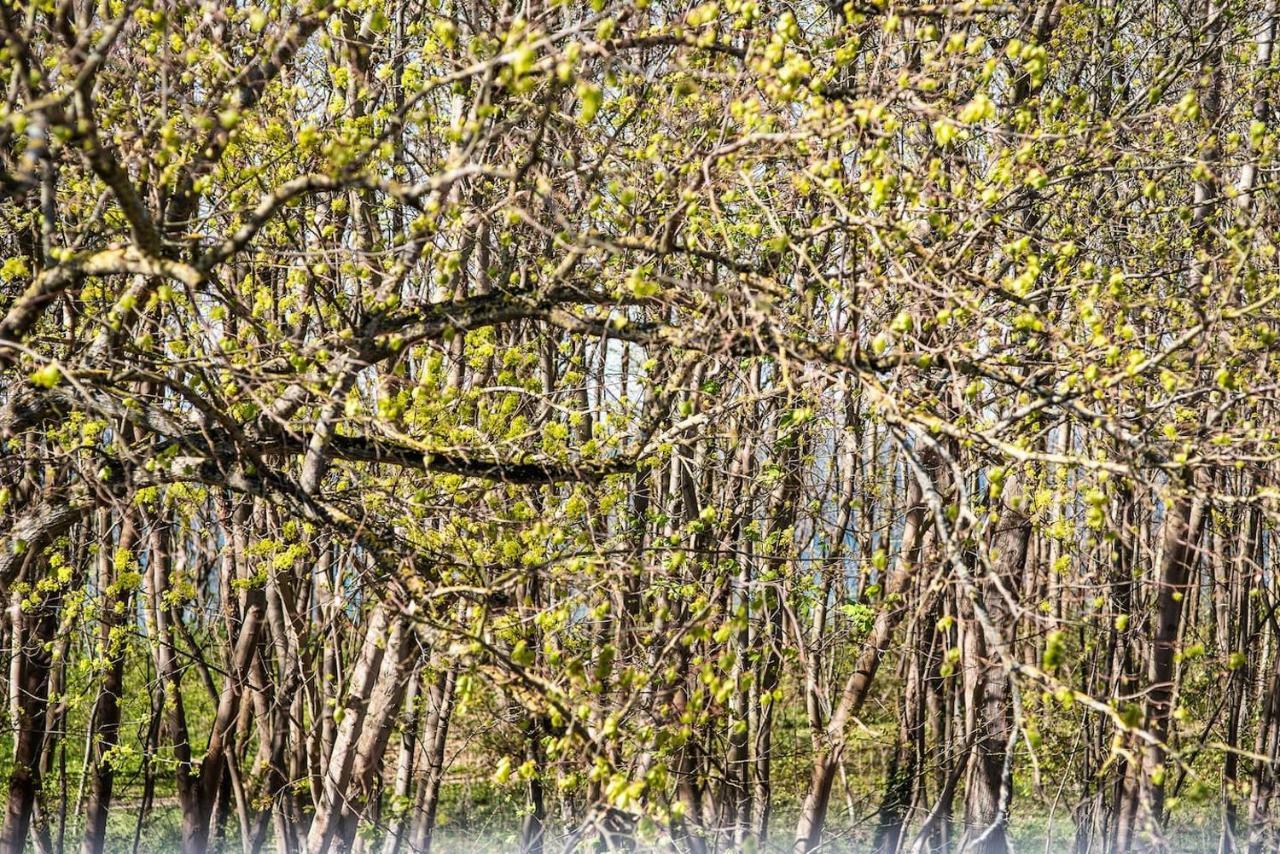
(724,426)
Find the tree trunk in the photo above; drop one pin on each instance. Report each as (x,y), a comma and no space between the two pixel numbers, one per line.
(377,687)
(437,731)
(33,631)
(829,743)
(117,600)
(986,793)
(1181,533)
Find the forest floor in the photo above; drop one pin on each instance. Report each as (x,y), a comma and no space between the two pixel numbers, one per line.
(479,831)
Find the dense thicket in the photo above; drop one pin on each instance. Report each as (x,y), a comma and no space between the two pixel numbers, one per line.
(709,425)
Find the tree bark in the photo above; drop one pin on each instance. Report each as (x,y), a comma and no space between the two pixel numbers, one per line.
(33,631)
(117,600)
(985,817)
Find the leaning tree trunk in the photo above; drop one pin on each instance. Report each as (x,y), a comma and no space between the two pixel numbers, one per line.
(830,741)
(377,688)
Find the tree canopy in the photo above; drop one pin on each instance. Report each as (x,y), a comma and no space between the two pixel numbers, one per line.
(740,425)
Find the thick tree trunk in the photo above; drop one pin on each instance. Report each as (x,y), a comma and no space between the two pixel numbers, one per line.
(1267,747)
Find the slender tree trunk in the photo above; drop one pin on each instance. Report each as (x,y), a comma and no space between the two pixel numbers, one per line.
(33,631)
(830,742)
(117,601)
(1181,532)
(985,817)
(377,688)
(902,774)
(398,828)
(428,798)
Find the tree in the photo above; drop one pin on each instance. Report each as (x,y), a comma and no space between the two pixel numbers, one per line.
(702,424)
